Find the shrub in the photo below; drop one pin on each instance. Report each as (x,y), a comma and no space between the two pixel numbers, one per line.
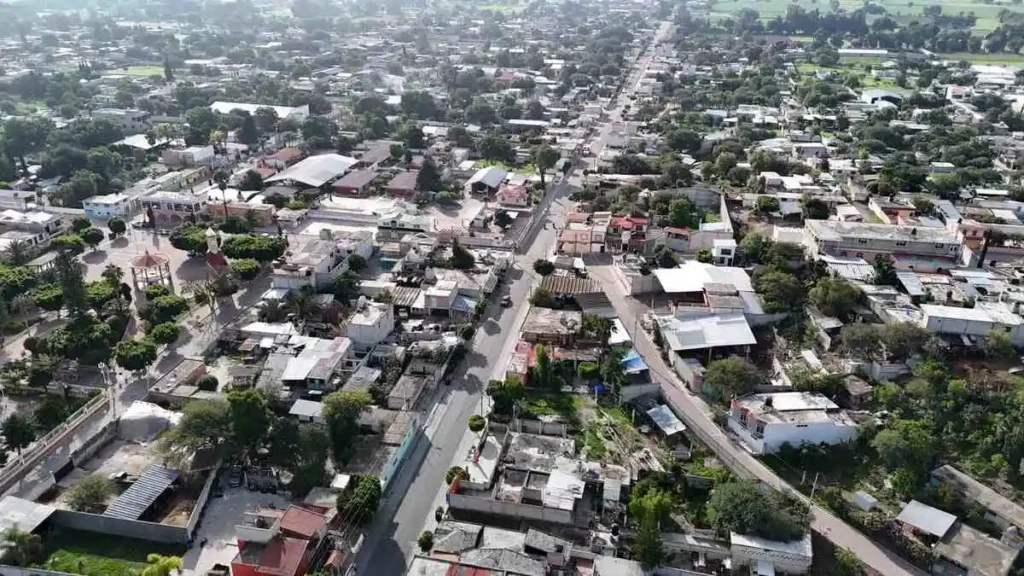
(166,309)
(154,291)
(477,423)
(207,383)
(246,268)
(455,472)
(426,540)
(166,333)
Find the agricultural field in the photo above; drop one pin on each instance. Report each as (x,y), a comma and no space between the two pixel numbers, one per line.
(988,14)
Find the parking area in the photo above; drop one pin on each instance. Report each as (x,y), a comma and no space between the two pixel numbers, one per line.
(215,539)
(457,216)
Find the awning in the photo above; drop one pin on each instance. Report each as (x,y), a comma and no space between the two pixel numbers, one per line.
(633,363)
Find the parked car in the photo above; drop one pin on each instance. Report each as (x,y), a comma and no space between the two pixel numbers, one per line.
(506,300)
(235,476)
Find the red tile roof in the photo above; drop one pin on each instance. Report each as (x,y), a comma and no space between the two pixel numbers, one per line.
(301,522)
(621,222)
(279,557)
(286,154)
(460,570)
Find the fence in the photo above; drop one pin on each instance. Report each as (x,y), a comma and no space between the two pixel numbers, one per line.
(41,448)
(121,527)
(532,427)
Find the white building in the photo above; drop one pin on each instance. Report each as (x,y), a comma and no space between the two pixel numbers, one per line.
(976,322)
(767,421)
(16,199)
(191,156)
(316,261)
(130,121)
(109,206)
(370,324)
(43,225)
(771,557)
(297,113)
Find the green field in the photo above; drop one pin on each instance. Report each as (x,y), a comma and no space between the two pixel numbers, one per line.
(987,14)
(92,554)
(139,71)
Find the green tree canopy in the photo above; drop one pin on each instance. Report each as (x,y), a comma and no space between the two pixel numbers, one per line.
(744,508)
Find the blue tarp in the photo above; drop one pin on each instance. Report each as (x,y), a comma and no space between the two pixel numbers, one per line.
(633,363)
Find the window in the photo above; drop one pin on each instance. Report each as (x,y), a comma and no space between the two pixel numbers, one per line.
(760,428)
(726,251)
(801,425)
(743,418)
(860,254)
(952,248)
(940,246)
(901,242)
(862,241)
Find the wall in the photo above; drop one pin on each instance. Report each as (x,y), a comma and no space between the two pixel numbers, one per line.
(632,392)
(512,509)
(878,372)
(121,527)
(197,511)
(690,370)
(540,427)
(16,571)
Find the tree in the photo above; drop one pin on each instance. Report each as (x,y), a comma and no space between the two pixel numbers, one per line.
(455,472)
(356,263)
(647,544)
(589,371)
(117,226)
(835,296)
(17,432)
(705,256)
(203,424)
(477,423)
(906,444)
(543,374)
(250,419)
(505,394)
(903,340)
(135,355)
(732,375)
(168,72)
(346,287)
(50,412)
(165,333)
(157,565)
(17,253)
(248,133)
(93,237)
(359,501)
(462,259)
(847,563)
(69,243)
(682,213)
(999,347)
(190,238)
(814,208)
(80,224)
(426,541)
(252,180)
(742,507)
(754,247)
(543,266)
(21,548)
(545,158)
(860,340)
(260,248)
(341,411)
(246,268)
(207,383)
(49,297)
(502,219)
(429,178)
(885,272)
(767,205)
(779,291)
(90,494)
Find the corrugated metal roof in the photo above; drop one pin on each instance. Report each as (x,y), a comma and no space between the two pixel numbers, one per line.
(927,519)
(134,502)
(404,295)
(563,284)
(665,420)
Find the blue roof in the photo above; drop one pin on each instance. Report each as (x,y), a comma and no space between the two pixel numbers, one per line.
(632,362)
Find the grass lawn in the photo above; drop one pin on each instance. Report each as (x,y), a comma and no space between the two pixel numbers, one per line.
(593,447)
(92,554)
(995,59)
(543,404)
(139,71)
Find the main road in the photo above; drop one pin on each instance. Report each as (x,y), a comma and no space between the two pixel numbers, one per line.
(391,539)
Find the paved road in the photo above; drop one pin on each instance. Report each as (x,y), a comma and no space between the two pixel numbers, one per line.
(698,414)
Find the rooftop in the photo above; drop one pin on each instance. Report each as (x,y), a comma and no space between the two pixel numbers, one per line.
(548,321)
(926,519)
(976,551)
(706,332)
(835,231)
(279,557)
(691,276)
(316,171)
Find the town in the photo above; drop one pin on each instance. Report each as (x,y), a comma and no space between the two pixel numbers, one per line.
(515,288)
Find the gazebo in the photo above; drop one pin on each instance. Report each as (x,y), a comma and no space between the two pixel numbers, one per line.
(151,269)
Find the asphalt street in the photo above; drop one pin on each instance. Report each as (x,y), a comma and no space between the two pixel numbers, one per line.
(391,539)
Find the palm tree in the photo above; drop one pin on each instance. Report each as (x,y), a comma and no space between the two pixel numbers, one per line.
(21,548)
(301,304)
(166,131)
(17,253)
(11,381)
(272,311)
(157,565)
(113,274)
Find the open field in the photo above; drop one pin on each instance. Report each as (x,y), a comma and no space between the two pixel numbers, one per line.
(93,554)
(987,14)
